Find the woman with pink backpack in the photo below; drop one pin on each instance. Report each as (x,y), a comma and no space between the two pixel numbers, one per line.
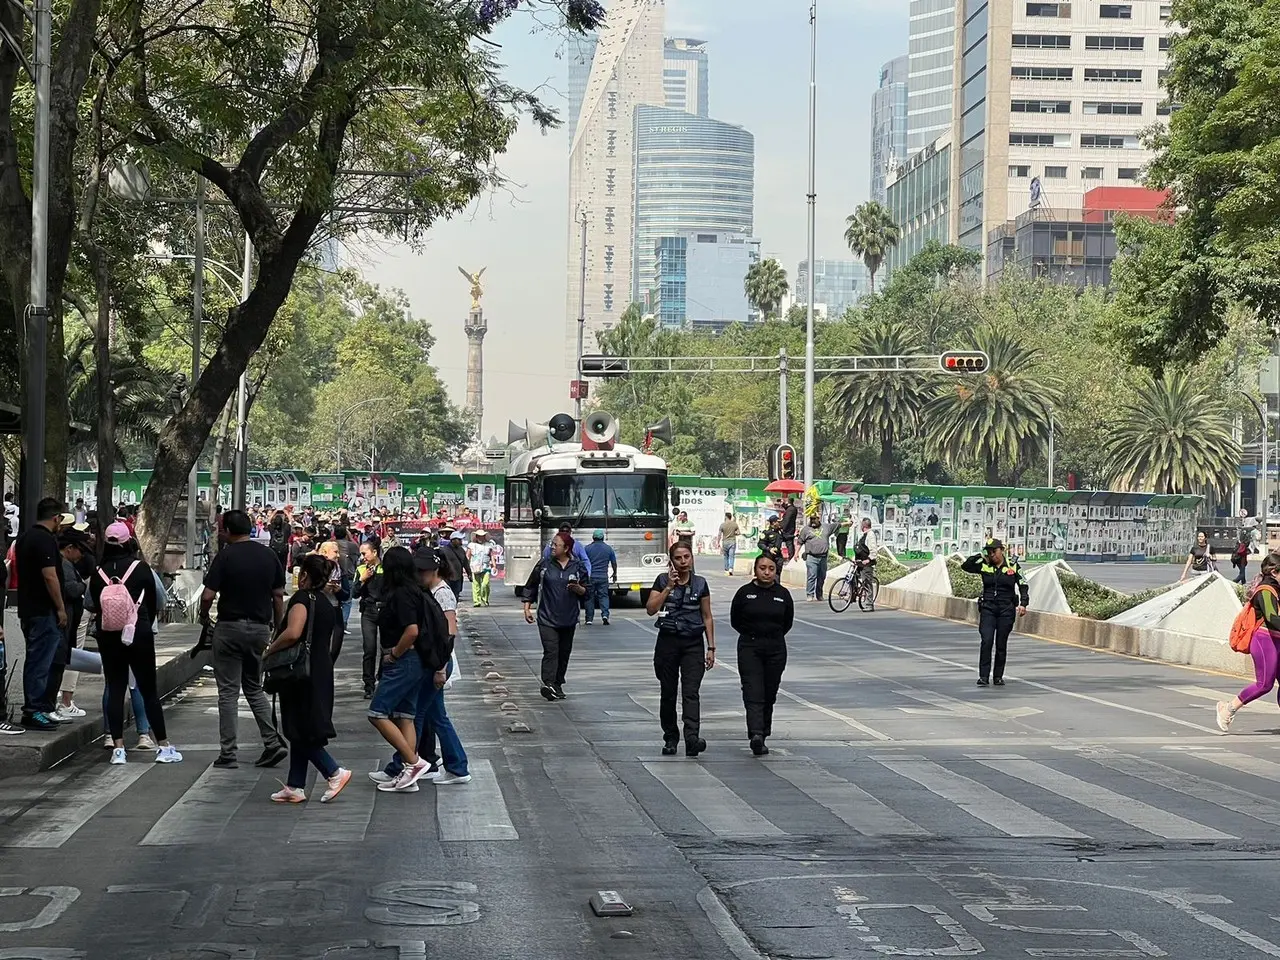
(123,594)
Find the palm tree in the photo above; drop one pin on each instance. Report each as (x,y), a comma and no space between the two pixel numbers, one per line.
(766,287)
(143,401)
(877,407)
(996,417)
(871,233)
(1173,437)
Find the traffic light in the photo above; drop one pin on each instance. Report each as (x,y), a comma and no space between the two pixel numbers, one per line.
(598,365)
(964,361)
(786,462)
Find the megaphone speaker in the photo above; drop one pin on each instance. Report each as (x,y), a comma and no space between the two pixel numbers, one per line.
(538,435)
(562,427)
(599,432)
(661,430)
(516,432)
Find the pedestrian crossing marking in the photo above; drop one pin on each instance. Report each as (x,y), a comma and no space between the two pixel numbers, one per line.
(1206,693)
(980,801)
(475,810)
(1137,814)
(717,807)
(53,822)
(1254,766)
(346,820)
(1229,798)
(203,812)
(595,800)
(852,804)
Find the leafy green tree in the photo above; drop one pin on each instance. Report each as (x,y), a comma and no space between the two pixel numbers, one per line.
(1219,157)
(1173,436)
(871,233)
(995,419)
(143,401)
(766,287)
(881,409)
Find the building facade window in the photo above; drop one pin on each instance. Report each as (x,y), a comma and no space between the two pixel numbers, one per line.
(611,181)
(609,219)
(1040,106)
(1039,139)
(611,98)
(1111,75)
(1091,173)
(1105,141)
(608,297)
(1166,43)
(1043,73)
(608,258)
(1042,41)
(1060,10)
(1166,11)
(1114,43)
(611,143)
(1128,173)
(1116,11)
(1105,108)
(1055,173)
(1019,171)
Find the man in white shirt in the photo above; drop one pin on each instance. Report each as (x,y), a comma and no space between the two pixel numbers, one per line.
(866,550)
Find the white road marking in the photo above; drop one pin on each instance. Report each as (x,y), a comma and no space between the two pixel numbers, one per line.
(968,668)
(475,810)
(53,822)
(346,818)
(1137,814)
(1229,798)
(1207,693)
(203,812)
(851,804)
(719,809)
(980,801)
(1254,766)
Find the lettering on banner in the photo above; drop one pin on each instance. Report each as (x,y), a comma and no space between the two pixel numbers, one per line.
(55,901)
(986,912)
(422,903)
(963,944)
(287,903)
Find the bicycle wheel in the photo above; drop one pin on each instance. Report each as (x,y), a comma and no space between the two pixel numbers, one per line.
(840,596)
(867,598)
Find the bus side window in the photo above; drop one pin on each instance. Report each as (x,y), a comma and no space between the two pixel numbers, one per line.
(519,507)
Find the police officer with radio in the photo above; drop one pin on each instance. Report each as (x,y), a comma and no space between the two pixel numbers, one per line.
(1004,597)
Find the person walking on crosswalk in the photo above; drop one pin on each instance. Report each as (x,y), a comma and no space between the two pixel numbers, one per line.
(1004,598)
(556,585)
(763,613)
(306,705)
(682,602)
(1264,598)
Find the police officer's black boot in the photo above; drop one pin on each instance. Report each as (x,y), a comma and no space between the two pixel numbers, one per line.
(758,747)
(669,747)
(982,681)
(694,746)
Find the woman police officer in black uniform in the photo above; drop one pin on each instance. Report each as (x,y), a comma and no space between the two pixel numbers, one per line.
(1004,597)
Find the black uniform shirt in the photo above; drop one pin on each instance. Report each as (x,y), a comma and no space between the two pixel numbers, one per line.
(1002,586)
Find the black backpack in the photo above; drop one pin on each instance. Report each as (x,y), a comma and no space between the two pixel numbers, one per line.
(862,551)
(434,645)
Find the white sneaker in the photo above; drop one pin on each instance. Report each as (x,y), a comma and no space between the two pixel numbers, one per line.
(68,711)
(289,795)
(1225,716)
(58,717)
(407,782)
(118,755)
(145,742)
(336,783)
(168,754)
(446,778)
(377,776)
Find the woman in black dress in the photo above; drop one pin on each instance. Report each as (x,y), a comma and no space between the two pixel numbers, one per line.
(306,706)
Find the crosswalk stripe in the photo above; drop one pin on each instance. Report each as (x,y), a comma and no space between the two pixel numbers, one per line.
(980,801)
(53,822)
(475,810)
(851,804)
(346,819)
(1254,766)
(203,812)
(1229,798)
(718,808)
(1208,693)
(1137,814)
(592,795)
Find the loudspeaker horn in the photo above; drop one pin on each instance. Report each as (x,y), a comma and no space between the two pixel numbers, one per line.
(562,427)
(516,432)
(599,431)
(661,430)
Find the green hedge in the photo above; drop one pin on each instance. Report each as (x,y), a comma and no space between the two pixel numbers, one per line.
(1096,602)
(966,585)
(888,570)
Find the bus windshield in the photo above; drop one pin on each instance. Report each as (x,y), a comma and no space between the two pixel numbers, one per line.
(633,499)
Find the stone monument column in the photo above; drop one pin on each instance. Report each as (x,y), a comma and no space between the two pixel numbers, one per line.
(476,328)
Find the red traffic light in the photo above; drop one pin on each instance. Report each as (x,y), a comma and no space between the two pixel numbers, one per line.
(964,361)
(786,462)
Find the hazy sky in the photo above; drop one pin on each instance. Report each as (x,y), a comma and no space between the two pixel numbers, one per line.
(759,78)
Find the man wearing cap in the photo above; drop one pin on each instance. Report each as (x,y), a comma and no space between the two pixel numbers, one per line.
(601,561)
(1004,597)
(73,544)
(463,562)
(41,610)
(480,550)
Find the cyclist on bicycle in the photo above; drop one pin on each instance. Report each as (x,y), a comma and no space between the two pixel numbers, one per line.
(864,553)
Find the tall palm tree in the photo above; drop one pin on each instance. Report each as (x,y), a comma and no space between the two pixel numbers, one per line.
(1173,437)
(881,408)
(871,233)
(142,400)
(997,417)
(766,286)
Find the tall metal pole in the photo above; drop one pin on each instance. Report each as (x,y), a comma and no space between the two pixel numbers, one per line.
(197,323)
(240,474)
(1051,432)
(809,451)
(782,395)
(582,316)
(38,309)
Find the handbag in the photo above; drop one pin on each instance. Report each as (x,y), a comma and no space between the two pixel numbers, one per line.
(291,665)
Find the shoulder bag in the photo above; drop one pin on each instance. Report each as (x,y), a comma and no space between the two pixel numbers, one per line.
(292,664)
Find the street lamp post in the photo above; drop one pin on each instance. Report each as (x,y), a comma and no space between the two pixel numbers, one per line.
(582,316)
(197,320)
(240,469)
(812,202)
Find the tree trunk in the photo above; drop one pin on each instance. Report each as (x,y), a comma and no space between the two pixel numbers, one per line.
(993,472)
(219,451)
(886,457)
(106,392)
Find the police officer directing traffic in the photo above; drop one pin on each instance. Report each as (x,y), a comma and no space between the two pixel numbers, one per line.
(1004,597)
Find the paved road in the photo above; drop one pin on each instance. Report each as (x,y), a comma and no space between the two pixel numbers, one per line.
(1088,809)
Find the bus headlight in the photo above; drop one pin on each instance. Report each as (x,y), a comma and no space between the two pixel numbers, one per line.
(654,559)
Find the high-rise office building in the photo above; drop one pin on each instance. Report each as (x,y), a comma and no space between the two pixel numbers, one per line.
(888,125)
(700,280)
(692,174)
(837,285)
(919,200)
(1052,101)
(685,75)
(932,62)
(580,51)
(626,71)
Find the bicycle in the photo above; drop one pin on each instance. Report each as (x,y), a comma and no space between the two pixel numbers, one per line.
(854,587)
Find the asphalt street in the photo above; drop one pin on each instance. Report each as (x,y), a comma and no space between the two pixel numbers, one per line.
(1090,808)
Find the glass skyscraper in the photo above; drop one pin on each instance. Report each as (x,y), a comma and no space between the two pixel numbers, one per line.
(930,85)
(685,75)
(837,285)
(580,52)
(889,125)
(692,174)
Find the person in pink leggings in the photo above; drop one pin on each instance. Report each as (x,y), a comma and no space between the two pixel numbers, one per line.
(1262,645)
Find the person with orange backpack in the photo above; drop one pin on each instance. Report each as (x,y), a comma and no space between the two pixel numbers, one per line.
(1254,632)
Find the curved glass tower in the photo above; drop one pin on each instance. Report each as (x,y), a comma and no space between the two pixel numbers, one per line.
(691,174)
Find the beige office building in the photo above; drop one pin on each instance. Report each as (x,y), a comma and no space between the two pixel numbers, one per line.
(626,72)
(1050,100)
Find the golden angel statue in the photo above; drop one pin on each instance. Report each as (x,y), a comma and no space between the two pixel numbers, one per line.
(476,290)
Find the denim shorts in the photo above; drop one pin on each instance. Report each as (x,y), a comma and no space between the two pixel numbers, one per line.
(396,696)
